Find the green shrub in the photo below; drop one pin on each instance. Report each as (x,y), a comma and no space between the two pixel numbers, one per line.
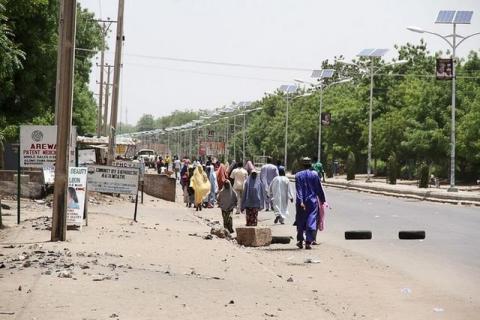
(380,168)
(392,169)
(351,166)
(423,176)
(329,166)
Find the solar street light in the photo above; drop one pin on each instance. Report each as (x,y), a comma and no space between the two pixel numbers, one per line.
(451,17)
(287,89)
(373,54)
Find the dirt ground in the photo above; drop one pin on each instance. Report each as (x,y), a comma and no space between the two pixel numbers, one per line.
(163,267)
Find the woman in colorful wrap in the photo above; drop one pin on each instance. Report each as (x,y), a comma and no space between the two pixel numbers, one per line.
(252,198)
(201,186)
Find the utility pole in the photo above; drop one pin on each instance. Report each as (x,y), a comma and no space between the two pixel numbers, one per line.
(66,57)
(105,28)
(107,94)
(116,83)
(100,98)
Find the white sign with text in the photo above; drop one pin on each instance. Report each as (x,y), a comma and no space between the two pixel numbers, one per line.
(112,179)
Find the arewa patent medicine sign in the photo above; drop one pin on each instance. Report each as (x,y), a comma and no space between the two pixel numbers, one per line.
(38,146)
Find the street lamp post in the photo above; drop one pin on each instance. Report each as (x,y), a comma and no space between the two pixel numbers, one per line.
(373,53)
(322,87)
(454,45)
(287,89)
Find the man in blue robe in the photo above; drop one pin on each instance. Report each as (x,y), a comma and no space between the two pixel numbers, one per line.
(309,193)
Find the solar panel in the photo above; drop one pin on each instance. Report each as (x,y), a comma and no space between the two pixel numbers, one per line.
(378,53)
(365,52)
(316,73)
(327,73)
(445,16)
(463,17)
(291,88)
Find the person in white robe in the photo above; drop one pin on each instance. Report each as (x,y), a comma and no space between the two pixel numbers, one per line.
(267,174)
(280,192)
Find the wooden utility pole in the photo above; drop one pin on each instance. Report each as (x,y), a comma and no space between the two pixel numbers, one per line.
(100,98)
(68,10)
(116,83)
(105,27)
(107,94)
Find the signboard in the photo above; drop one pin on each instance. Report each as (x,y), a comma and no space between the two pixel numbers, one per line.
(444,69)
(86,157)
(326,118)
(38,145)
(211,148)
(77,188)
(131,164)
(112,179)
(48,173)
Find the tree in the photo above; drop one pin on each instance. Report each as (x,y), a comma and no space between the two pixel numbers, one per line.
(351,166)
(29,93)
(145,123)
(10,55)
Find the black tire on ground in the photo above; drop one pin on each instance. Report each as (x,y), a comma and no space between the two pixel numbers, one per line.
(358,235)
(281,240)
(411,235)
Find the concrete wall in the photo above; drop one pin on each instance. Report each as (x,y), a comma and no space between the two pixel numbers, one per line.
(160,186)
(31,183)
(9,175)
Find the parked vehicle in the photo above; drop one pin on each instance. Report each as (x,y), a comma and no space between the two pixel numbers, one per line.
(149,156)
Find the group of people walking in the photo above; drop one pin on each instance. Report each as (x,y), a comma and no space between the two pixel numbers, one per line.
(240,187)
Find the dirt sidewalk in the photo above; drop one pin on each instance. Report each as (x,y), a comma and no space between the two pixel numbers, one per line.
(162,267)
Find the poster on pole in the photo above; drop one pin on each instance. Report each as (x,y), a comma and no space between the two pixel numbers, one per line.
(444,69)
(326,118)
(77,188)
(211,148)
(111,179)
(38,145)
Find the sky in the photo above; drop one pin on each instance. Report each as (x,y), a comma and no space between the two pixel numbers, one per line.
(294,36)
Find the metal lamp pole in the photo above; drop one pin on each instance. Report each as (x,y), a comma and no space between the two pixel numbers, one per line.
(286,136)
(454,45)
(244,120)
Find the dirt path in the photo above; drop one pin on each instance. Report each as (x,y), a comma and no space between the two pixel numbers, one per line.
(162,267)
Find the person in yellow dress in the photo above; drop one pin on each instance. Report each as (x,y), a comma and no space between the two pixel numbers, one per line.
(200,185)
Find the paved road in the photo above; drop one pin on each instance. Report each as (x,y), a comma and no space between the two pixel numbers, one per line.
(448,259)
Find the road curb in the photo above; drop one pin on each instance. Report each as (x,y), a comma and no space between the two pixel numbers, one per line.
(386,192)
(422,195)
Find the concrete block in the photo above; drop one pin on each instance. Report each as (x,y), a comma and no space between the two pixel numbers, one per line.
(254,236)
(24,178)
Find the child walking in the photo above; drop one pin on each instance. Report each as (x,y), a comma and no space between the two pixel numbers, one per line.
(227,199)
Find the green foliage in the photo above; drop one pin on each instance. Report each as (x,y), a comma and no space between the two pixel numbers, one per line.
(379,168)
(423,175)
(392,169)
(10,55)
(351,166)
(125,128)
(28,94)
(329,166)
(146,123)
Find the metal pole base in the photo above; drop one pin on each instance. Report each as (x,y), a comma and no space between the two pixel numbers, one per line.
(452,189)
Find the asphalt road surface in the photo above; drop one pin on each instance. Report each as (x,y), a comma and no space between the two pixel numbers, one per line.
(449,257)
